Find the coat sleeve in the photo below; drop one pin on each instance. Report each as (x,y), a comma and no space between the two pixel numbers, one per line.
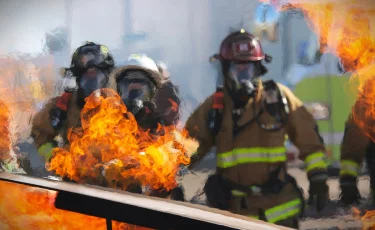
(303,132)
(197,126)
(353,148)
(41,129)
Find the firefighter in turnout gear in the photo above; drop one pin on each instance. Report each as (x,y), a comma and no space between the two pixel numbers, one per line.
(355,148)
(91,65)
(151,97)
(247,120)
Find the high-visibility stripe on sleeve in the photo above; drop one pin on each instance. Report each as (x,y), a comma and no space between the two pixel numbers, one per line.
(315,161)
(349,167)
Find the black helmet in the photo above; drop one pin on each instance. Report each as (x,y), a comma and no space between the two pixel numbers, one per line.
(91,55)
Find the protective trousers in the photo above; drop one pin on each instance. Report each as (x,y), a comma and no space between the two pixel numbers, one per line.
(283,208)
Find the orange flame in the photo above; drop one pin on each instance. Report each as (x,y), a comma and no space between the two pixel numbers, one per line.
(350,36)
(364,108)
(5,141)
(22,87)
(24,207)
(368,219)
(174,107)
(347,29)
(110,146)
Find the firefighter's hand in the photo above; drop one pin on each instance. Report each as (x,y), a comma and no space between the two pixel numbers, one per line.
(318,191)
(349,190)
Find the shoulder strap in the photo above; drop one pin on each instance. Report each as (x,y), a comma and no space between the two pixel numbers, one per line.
(275,100)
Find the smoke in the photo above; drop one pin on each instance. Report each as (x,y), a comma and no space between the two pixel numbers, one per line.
(183,34)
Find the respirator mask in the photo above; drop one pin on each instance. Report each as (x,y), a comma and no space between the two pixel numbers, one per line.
(243,80)
(136,91)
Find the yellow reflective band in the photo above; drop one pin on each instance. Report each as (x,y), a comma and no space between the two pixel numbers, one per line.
(238,193)
(314,161)
(255,189)
(349,167)
(46,150)
(283,211)
(251,155)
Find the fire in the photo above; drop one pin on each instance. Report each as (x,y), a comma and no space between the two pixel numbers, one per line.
(346,28)
(24,207)
(367,220)
(351,37)
(110,148)
(363,109)
(11,106)
(22,91)
(5,142)
(174,107)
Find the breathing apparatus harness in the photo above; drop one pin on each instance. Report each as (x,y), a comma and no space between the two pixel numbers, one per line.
(275,104)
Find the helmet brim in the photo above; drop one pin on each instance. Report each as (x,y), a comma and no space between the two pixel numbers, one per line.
(155,77)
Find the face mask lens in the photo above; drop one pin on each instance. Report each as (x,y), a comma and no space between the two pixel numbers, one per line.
(132,90)
(92,80)
(241,72)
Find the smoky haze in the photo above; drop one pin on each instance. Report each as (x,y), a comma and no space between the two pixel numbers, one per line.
(183,34)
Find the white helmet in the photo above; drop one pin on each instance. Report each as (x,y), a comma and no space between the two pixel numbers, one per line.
(141,61)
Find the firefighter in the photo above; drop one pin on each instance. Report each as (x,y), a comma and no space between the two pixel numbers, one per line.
(91,65)
(147,93)
(247,120)
(355,147)
(150,96)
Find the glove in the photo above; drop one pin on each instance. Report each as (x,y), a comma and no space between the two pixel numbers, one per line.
(178,193)
(46,150)
(349,191)
(318,191)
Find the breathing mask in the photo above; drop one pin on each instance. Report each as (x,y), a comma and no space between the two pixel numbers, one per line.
(91,80)
(136,91)
(243,80)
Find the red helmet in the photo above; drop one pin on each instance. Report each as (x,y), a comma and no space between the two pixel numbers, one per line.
(241,46)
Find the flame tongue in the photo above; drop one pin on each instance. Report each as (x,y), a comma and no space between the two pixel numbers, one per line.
(350,36)
(110,146)
(5,142)
(24,207)
(347,29)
